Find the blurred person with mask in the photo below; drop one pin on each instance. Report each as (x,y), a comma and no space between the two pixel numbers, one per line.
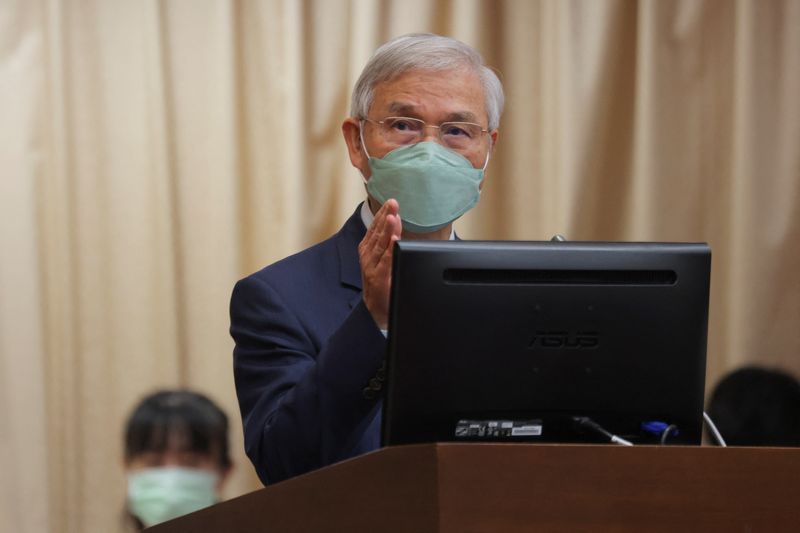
(176,457)
(310,330)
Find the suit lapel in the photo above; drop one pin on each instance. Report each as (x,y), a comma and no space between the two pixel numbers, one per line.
(347,241)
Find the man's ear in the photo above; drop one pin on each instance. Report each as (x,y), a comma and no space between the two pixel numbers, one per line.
(351,128)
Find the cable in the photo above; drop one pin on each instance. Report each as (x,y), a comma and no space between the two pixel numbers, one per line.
(714,432)
(587,422)
(672,428)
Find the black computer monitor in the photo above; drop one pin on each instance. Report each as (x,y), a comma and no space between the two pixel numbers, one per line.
(526,341)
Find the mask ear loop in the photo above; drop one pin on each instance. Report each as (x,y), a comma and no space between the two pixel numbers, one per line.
(361,137)
(488,153)
(363,145)
(486,163)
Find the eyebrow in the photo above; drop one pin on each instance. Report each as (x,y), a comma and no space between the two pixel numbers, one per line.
(408,110)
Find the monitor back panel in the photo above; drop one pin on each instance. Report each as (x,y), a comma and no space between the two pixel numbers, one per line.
(534,332)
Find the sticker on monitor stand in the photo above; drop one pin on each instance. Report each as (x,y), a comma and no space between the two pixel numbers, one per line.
(488,429)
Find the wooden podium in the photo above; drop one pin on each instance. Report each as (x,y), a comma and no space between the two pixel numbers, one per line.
(463,488)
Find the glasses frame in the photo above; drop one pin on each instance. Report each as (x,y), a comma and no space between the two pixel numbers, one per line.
(382,122)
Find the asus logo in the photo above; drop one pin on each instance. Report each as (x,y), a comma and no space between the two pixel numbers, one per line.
(565,339)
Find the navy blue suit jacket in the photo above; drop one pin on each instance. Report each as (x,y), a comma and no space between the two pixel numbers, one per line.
(306,348)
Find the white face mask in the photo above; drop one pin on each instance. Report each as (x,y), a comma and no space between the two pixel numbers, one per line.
(156,495)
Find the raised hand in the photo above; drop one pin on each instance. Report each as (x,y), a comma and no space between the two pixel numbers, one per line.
(375,257)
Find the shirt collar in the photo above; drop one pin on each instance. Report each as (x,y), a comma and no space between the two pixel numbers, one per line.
(367,217)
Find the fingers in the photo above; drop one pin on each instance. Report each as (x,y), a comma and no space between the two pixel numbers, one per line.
(375,256)
(381,234)
(395,225)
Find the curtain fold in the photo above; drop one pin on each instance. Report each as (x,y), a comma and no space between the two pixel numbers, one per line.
(153,152)
(24,453)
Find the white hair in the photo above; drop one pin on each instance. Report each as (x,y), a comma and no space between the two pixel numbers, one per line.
(425,51)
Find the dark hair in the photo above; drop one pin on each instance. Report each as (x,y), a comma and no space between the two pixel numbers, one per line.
(755,406)
(190,416)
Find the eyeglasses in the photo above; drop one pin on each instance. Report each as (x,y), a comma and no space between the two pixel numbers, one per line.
(406,130)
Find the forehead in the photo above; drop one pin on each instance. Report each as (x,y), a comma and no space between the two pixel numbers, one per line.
(433,96)
(173,447)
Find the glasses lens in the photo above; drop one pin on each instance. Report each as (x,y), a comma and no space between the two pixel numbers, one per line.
(402,130)
(460,135)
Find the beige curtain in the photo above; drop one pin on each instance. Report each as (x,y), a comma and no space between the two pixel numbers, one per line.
(153,152)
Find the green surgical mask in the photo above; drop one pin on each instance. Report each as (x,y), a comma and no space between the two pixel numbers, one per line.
(432,184)
(156,495)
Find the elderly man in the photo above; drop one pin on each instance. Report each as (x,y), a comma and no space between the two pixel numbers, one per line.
(310,330)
